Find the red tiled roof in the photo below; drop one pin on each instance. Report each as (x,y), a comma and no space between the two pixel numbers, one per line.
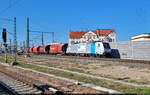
(79,34)
(104,32)
(76,34)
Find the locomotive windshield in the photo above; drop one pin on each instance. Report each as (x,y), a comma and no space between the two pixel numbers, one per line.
(106,45)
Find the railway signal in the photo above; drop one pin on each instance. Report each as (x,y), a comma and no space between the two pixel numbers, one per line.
(4,35)
(14,34)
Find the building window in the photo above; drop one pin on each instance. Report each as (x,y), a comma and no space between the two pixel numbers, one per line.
(72,42)
(113,40)
(89,37)
(110,40)
(94,37)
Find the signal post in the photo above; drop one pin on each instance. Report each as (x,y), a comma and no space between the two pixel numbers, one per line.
(4,36)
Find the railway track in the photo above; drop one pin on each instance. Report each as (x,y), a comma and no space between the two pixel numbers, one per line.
(94,58)
(99,59)
(14,85)
(4,90)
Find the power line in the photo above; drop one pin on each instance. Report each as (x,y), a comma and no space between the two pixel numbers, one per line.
(7,31)
(6,19)
(10,33)
(10,6)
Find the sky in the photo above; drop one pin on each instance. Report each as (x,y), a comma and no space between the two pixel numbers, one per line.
(127,17)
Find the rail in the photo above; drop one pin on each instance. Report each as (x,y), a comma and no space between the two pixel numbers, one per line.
(43,90)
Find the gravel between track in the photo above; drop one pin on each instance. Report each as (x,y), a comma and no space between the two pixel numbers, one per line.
(130,72)
(60,84)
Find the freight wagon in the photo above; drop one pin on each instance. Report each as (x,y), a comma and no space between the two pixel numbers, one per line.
(34,49)
(41,49)
(56,49)
(30,50)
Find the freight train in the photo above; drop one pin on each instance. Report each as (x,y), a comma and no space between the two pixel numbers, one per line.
(96,49)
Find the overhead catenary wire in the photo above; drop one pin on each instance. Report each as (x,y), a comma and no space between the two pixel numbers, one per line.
(10,33)
(10,6)
(43,32)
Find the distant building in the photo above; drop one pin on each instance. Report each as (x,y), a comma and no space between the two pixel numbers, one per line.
(104,35)
(53,43)
(141,37)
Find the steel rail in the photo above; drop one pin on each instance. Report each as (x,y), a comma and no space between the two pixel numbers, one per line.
(102,59)
(45,91)
(10,90)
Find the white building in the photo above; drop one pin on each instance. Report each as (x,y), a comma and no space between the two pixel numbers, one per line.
(141,37)
(104,35)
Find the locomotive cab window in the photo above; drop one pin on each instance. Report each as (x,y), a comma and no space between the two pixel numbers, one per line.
(98,45)
(106,45)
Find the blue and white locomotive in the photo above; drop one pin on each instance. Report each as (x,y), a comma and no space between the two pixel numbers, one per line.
(89,49)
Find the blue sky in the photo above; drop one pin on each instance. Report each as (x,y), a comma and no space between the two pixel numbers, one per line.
(127,17)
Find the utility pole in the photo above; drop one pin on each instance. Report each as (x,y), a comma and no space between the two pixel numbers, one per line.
(32,43)
(53,36)
(20,47)
(27,37)
(42,39)
(15,39)
(24,45)
(10,45)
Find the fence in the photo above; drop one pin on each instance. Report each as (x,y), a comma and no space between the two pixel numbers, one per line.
(139,50)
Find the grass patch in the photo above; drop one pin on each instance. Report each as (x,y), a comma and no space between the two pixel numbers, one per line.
(2,60)
(133,81)
(143,91)
(62,66)
(76,70)
(9,60)
(83,70)
(88,72)
(107,84)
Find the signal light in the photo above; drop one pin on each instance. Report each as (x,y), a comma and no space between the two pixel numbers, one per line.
(4,35)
